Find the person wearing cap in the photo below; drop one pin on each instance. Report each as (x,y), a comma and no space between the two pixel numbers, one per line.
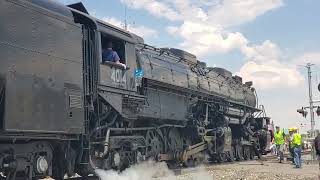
(109,55)
(291,149)
(279,137)
(296,142)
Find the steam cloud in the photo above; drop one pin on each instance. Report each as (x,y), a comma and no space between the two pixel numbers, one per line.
(150,170)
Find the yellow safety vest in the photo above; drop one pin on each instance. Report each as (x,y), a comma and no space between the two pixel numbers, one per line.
(278,138)
(297,139)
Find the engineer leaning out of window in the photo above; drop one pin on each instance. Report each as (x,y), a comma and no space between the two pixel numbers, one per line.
(109,55)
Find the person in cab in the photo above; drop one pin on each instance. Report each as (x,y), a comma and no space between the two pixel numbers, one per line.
(109,55)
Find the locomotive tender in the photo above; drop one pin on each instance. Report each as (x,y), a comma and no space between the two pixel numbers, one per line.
(64,112)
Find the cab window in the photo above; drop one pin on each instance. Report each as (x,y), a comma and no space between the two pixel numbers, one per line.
(113,50)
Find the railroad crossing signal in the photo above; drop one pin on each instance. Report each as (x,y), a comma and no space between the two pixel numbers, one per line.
(303,112)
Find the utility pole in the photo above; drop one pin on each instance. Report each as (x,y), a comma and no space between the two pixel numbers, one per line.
(308,66)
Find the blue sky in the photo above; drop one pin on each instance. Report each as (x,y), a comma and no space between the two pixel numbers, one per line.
(261,40)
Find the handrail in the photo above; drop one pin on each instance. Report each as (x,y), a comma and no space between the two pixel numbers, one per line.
(112,64)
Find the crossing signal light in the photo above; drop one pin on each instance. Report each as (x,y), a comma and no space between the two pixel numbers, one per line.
(304,112)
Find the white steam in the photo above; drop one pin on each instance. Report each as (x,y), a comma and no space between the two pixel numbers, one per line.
(150,170)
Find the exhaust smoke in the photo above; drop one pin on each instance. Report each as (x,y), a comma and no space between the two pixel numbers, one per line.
(151,170)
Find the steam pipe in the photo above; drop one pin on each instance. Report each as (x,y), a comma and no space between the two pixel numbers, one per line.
(106,143)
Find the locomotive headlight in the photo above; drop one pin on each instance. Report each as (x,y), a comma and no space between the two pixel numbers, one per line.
(42,165)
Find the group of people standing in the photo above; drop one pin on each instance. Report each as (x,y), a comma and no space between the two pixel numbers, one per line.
(294,140)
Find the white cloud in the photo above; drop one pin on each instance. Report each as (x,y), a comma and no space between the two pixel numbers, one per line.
(216,12)
(203,28)
(143,31)
(265,69)
(139,30)
(264,66)
(202,39)
(210,34)
(309,57)
(113,21)
(267,51)
(172,29)
(271,74)
(235,12)
(154,7)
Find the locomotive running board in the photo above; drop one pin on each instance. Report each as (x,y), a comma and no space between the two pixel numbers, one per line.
(186,154)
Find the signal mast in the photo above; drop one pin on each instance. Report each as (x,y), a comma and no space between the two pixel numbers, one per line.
(303,110)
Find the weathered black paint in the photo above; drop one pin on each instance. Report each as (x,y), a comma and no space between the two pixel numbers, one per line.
(41,61)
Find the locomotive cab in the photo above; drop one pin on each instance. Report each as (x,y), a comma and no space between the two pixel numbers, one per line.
(113,75)
(118,46)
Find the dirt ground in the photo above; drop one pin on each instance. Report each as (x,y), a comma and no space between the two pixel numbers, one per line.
(256,170)
(267,168)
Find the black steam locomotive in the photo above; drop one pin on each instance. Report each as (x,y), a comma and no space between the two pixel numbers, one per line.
(63,111)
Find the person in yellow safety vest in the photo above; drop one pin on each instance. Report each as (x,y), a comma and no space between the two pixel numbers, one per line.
(291,148)
(296,142)
(279,141)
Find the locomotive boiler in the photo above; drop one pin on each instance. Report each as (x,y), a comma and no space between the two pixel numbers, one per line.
(63,111)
